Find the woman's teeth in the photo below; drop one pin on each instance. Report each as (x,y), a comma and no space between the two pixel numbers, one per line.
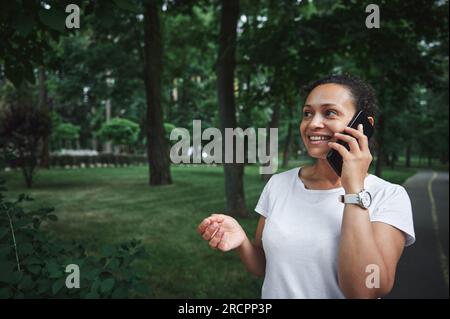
(319,138)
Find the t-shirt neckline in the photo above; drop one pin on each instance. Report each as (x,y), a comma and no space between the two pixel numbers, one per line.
(320,191)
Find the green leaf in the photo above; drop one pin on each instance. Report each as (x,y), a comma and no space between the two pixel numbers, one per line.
(5,293)
(142,289)
(5,250)
(93,274)
(107,250)
(57,285)
(107,285)
(43,285)
(16,277)
(25,249)
(92,295)
(54,270)
(4,231)
(26,284)
(32,261)
(21,223)
(120,293)
(113,264)
(34,269)
(6,271)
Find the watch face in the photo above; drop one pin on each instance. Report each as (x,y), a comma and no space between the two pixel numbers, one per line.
(366,199)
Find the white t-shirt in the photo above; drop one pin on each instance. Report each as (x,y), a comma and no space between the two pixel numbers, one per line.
(302,231)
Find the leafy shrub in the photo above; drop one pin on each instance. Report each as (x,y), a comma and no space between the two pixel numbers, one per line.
(23,126)
(65,132)
(120,131)
(32,265)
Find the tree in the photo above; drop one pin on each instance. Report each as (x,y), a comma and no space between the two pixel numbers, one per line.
(157,151)
(23,126)
(234,184)
(43,105)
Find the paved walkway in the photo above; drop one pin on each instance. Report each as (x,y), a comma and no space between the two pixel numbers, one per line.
(423,269)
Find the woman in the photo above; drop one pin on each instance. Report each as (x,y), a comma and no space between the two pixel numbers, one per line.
(308,244)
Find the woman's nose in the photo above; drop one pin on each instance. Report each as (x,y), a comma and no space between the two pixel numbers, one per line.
(317,122)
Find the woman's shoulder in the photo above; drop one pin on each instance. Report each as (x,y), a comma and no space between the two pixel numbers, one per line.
(378,184)
(285,176)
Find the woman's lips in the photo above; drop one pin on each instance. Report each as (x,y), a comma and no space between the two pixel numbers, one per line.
(319,139)
(321,142)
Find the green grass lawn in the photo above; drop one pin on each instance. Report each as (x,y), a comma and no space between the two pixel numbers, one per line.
(111,205)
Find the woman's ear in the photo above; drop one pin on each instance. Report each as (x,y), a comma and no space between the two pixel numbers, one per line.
(371,120)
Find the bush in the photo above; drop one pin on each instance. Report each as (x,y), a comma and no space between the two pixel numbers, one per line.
(23,127)
(32,265)
(104,158)
(120,131)
(65,132)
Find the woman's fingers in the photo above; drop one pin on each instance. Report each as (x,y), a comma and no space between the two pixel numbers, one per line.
(352,142)
(223,245)
(340,148)
(363,141)
(203,225)
(216,239)
(210,231)
(208,221)
(217,217)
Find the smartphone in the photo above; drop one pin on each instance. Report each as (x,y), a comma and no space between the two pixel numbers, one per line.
(333,156)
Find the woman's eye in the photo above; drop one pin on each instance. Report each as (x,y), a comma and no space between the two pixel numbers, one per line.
(306,113)
(331,113)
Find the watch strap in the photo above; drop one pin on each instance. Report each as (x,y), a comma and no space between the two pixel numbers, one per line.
(349,199)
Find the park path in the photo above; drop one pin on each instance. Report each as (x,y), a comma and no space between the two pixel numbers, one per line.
(423,269)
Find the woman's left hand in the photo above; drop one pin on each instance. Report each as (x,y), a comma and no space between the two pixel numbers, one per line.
(356,162)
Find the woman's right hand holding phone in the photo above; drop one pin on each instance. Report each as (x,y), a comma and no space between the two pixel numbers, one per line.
(222,231)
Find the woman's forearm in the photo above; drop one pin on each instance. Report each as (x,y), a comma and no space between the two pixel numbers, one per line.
(358,253)
(252,257)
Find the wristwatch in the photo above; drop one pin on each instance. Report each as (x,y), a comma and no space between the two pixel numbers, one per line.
(363,199)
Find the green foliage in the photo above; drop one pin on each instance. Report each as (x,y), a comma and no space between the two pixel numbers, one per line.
(66,131)
(33,265)
(281,46)
(23,127)
(120,131)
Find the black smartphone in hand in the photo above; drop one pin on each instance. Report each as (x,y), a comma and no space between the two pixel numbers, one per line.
(333,156)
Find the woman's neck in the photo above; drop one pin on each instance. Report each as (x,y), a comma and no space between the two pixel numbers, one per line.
(320,174)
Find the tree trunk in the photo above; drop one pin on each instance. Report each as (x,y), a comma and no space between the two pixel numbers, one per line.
(108,145)
(379,148)
(274,123)
(43,105)
(287,143)
(392,160)
(234,183)
(408,155)
(158,156)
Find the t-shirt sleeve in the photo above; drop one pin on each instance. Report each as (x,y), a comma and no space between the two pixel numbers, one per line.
(263,205)
(396,211)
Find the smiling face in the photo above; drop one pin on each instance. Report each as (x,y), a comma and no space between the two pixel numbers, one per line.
(328,109)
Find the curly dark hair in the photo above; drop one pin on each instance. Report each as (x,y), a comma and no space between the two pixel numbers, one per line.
(363,94)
